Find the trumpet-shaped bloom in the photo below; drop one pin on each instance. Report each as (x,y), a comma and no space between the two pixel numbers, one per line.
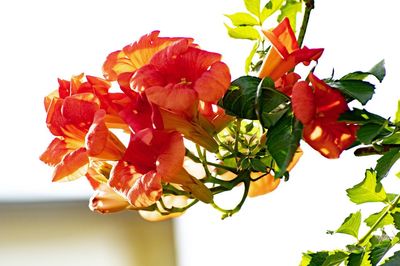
(285,52)
(180,75)
(136,55)
(318,107)
(75,119)
(152,157)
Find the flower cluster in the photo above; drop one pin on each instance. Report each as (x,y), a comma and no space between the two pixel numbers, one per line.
(173,100)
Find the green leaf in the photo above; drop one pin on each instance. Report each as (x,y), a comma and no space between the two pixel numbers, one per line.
(369,190)
(251,98)
(290,10)
(377,71)
(385,163)
(397,116)
(371,220)
(258,165)
(351,225)
(379,250)
(369,132)
(392,139)
(355,259)
(362,117)
(359,90)
(243,32)
(249,58)
(270,103)
(240,98)
(336,258)
(283,139)
(253,6)
(314,259)
(242,19)
(270,8)
(393,260)
(396,220)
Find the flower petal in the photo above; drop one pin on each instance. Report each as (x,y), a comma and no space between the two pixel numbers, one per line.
(73,166)
(264,185)
(55,152)
(329,138)
(213,83)
(106,200)
(303,102)
(100,142)
(146,190)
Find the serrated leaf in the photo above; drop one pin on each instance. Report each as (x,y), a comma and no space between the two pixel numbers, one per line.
(336,258)
(351,225)
(283,139)
(378,251)
(243,32)
(314,259)
(377,71)
(359,90)
(385,163)
(253,6)
(290,10)
(270,8)
(355,259)
(371,220)
(369,190)
(242,19)
(396,220)
(393,260)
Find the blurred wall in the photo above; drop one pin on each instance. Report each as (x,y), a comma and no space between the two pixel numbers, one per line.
(68,233)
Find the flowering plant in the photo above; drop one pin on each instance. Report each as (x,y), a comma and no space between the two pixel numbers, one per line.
(167,127)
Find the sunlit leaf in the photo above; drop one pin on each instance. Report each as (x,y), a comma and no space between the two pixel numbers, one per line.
(397,116)
(270,8)
(243,32)
(369,190)
(253,6)
(290,10)
(373,218)
(392,139)
(336,258)
(351,225)
(250,57)
(242,19)
(314,259)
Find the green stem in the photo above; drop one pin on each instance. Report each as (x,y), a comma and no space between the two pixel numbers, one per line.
(388,209)
(304,24)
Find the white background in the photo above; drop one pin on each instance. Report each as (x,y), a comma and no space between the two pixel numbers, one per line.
(43,40)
